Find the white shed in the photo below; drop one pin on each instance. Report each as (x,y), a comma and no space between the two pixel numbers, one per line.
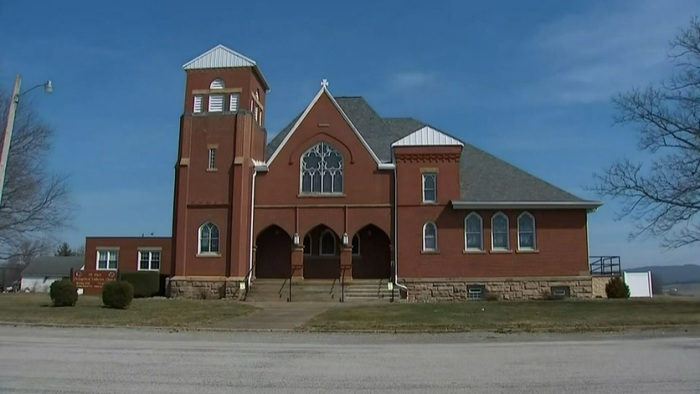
(639,283)
(43,271)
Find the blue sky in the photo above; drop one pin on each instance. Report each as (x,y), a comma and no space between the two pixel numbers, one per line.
(530,82)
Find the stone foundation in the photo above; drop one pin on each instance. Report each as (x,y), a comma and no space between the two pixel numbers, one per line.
(205,288)
(455,289)
(599,283)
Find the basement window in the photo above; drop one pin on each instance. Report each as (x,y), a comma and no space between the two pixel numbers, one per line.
(560,291)
(476,292)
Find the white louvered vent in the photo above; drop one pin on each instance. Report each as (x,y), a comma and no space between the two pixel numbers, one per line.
(217,84)
(233,103)
(197,104)
(216,102)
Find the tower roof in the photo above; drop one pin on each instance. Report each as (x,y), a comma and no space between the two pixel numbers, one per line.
(223,57)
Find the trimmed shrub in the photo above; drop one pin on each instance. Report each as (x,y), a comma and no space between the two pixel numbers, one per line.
(617,288)
(117,294)
(63,293)
(146,283)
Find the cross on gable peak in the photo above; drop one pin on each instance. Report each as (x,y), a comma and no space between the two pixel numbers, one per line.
(324,83)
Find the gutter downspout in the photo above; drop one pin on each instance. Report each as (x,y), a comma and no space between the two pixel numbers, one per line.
(252,222)
(395,279)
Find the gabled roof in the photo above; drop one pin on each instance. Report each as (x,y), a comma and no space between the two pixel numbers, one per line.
(275,146)
(56,266)
(428,136)
(223,57)
(485,180)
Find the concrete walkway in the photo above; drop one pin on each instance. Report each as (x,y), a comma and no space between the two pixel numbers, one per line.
(277,316)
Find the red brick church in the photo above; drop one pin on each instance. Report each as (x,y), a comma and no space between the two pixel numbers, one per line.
(344,196)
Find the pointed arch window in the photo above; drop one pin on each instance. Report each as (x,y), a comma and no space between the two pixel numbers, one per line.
(526,231)
(429,237)
(321,170)
(327,244)
(208,238)
(356,245)
(499,232)
(473,232)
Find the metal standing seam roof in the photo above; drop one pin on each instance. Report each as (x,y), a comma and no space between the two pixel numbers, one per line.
(223,57)
(427,136)
(483,176)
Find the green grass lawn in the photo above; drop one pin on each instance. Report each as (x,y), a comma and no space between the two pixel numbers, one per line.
(161,312)
(513,316)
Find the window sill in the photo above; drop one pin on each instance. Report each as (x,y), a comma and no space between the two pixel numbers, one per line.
(502,251)
(208,255)
(212,169)
(106,269)
(474,251)
(430,252)
(149,270)
(429,203)
(526,251)
(320,195)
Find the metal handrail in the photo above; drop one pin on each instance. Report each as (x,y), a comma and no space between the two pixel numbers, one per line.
(248,281)
(287,282)
(342,284)
(605,265)
(333,287)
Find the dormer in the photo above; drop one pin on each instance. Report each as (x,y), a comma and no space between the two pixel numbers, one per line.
(427,163)
(222,81)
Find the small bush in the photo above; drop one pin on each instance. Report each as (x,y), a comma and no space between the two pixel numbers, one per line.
(146,283)
(117,294)
(63,293)
(617,288)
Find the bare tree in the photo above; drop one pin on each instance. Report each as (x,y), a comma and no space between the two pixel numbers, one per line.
(35,201)
(28,250)
(662,194)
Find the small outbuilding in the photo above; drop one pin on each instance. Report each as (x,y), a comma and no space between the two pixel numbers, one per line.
(43,271)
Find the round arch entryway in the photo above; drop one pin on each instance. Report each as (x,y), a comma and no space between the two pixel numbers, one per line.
(371,258)
(273,257)
(321,253)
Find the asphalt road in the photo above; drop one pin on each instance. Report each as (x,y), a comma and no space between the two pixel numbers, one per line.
(51,360)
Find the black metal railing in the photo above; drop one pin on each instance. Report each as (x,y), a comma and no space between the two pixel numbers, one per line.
(288,283)
(248,281)
(604,265)
(332,289)
(342,284)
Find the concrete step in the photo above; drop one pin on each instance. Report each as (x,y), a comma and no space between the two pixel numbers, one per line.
(366,290)
(302,290)
(320,290)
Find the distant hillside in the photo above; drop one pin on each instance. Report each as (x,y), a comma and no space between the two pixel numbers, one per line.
(689,273)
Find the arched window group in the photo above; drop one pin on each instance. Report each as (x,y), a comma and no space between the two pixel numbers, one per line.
(217,98)
(321,170)
(500,233)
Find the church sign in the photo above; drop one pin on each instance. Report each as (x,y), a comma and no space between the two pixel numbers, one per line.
(91,282)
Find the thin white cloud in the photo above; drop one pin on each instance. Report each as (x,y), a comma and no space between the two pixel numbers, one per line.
(411,80)
(609,48)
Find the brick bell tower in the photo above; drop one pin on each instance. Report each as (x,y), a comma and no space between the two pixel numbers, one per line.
(222,136)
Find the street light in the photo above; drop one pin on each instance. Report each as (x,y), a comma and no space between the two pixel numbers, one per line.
(48,88)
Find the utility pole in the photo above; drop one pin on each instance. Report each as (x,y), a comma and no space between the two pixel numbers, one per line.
(8,133)
(7,137)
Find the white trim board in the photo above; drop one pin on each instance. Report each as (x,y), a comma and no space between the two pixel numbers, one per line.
(321,91)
